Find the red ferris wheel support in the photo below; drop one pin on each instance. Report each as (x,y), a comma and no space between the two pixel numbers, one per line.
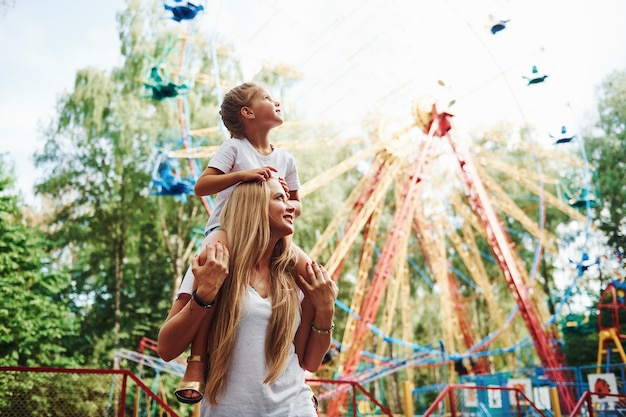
(380,278)
(500,244)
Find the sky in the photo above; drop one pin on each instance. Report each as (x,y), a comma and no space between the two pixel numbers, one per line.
(357,58)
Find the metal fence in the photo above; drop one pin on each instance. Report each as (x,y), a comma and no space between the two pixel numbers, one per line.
(603,386)
(58,392)
(464,400)
(360,401)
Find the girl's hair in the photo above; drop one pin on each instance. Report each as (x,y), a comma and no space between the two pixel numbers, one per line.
(234,100)
(245,220)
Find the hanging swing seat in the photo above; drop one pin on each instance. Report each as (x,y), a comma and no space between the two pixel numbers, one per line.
(535,77)
(501,25)
(167,182)
(160,92)
(564,137)
(579,198)
(183,10)
(536,80)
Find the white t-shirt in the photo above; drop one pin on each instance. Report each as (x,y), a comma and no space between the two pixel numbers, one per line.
(239,155)
(246,395)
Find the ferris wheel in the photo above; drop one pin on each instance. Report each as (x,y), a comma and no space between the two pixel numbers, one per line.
(441,218)
(446,234)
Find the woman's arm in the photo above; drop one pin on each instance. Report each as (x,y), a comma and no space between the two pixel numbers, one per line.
(180,327)
(210,268)
(313,336)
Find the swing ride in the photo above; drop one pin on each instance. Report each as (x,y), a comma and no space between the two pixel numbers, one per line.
(535,77)
(439,245)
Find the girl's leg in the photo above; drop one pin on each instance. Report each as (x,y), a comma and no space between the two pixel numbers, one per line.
(191,389)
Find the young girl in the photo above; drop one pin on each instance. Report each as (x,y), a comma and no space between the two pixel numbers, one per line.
(249,113)
(266,323)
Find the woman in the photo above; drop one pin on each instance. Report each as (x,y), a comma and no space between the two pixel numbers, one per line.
(267,323)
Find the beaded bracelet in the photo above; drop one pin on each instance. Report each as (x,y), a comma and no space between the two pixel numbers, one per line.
(329,331)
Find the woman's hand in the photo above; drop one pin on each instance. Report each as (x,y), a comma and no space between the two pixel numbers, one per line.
(322,291)
(210,269)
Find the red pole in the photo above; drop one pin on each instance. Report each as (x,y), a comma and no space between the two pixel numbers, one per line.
(123,397)
(590,406)
(499,241)
(452,403)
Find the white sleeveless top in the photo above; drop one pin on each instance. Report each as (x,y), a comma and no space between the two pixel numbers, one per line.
(246,395)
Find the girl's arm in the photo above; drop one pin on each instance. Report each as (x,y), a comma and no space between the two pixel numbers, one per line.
(294,197)
(212,180)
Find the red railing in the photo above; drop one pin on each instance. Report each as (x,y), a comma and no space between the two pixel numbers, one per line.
(354,387)
(21,386)
(105,392)
(449,390)
(587,400)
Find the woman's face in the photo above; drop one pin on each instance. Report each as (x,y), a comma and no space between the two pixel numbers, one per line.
(281,211)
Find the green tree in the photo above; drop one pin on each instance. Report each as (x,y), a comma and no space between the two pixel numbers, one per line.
(126,249)
(607,151)
(35,316)
(121,242)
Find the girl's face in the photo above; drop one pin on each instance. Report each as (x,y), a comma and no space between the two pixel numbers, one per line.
(281,211)
(266,110)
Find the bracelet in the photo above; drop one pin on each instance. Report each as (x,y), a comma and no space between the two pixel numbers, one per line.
(329,331)
(200,302)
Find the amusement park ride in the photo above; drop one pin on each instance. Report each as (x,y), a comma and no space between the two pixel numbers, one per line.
(611,309)
(450,207)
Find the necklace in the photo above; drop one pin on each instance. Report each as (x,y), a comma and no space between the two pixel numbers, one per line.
(258,280)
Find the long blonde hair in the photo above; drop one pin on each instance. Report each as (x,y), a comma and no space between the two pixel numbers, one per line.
(245,219)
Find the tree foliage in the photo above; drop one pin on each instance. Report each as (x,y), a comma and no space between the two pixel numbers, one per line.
(35,316)
(126,249)
(98,155)
(607,150)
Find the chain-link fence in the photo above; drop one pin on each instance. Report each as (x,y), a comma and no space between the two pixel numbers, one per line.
(53,392)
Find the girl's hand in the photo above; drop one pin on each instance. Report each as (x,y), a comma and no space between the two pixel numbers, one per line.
(258,174)
(284,184)
(210,269)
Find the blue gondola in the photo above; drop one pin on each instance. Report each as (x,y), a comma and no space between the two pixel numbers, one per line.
(167,180)
(497,27)
(183,10)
